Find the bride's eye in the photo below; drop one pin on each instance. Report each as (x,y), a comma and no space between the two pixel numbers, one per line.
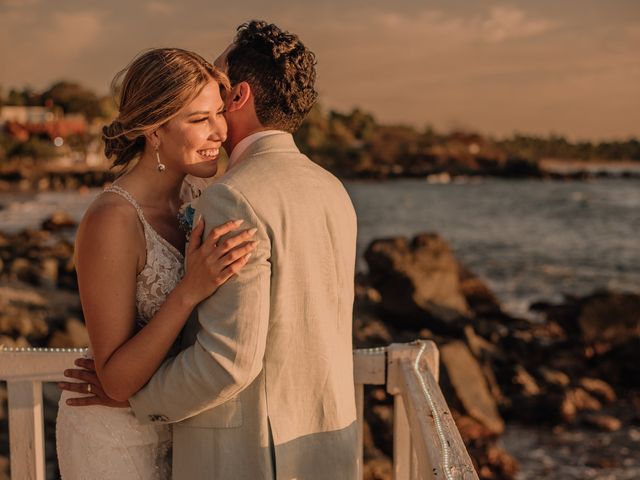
(198,120)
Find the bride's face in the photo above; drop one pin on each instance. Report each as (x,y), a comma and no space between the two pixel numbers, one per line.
(190,142)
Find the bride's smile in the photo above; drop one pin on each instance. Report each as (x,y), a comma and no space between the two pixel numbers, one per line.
(191,141)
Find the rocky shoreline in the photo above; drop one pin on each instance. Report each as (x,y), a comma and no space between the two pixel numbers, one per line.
(574,371)
(37,179)
(508,381)
(32,177)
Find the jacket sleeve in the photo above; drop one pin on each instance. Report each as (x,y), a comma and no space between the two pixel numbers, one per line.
(229,349)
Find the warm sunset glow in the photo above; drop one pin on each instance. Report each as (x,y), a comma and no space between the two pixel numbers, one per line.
(494,67)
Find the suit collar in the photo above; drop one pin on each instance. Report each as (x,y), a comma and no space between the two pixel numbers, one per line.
(246,142)
(276,142)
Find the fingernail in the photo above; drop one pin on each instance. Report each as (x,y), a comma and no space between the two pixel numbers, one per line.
(247,256)
(199,219)
(238,222)
(60,385)
(253,231)
(66,373)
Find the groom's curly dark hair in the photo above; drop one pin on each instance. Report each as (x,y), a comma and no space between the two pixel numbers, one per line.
(280,70)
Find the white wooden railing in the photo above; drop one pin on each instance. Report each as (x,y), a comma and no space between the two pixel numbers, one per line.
(426,441)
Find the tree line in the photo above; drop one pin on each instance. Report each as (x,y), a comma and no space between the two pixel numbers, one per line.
(354,143)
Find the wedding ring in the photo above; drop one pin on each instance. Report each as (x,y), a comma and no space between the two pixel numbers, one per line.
(89,388)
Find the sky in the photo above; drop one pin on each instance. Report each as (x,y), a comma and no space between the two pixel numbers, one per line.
(569,67)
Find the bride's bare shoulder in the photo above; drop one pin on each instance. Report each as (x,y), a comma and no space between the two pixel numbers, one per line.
(110,218)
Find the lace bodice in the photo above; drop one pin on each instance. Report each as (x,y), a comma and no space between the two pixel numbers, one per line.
(163,268)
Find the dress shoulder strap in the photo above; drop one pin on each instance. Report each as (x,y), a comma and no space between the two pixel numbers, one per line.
(127,196)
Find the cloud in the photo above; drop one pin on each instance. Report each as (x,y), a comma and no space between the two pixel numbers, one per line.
(505,23)
(17,4)
(160,8)
(499,65)
(497,25)
(69,34)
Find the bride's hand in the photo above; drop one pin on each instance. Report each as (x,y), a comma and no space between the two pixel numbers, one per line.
(210,263)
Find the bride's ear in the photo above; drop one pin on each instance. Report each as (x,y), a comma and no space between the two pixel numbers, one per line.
(152,138)
(238,97)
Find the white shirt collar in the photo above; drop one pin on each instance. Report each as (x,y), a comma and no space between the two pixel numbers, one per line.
(243,144)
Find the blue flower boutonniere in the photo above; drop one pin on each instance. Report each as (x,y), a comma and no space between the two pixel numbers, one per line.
(185,219)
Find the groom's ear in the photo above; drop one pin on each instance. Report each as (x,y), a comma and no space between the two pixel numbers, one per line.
(238,96)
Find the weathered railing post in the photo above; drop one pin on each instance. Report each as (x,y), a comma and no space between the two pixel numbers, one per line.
(440,452)
(26,430)
(404,456)
(369,367)
(24,371)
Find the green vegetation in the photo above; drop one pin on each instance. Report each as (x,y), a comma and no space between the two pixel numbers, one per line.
(355,143)
(555,146)
(69,97)
(349,144)
(34,148)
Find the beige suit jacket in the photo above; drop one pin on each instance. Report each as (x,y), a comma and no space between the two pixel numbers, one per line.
(264,387)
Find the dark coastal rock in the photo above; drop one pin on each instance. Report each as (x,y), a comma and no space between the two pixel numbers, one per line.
(599,389)
(22,269)
(59,221)
(4,467)
(3,401)
(30,316)
(471,430)
(600,421)
(578,400)
(38,258)
(610,318)
(554,377)
(379,468)
(418,282)
(10,342)
(48,272)
(25,324)
(369,331)
(469,385)
(621,365)
(602,319)
(75,335)
(528,384)
(45,177)
(22,315)
(478,295)
(493,461)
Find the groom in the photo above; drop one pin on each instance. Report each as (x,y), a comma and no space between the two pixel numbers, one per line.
(264,386)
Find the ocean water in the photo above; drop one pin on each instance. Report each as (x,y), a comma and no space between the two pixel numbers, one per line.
(530,240)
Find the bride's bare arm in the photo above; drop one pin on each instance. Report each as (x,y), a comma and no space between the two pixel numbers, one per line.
(109,249)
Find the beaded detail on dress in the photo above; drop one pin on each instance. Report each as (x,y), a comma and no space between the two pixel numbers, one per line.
(163,268)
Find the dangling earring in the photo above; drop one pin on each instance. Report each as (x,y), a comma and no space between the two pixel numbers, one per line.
(161,166)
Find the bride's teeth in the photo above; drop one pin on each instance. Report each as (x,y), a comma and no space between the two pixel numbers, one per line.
(208,153)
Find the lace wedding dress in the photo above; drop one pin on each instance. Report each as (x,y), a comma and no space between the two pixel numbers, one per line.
(102,443)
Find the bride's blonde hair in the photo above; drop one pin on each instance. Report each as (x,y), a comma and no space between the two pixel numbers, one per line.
(149,92)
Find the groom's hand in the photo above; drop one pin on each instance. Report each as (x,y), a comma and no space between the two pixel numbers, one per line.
(89,385)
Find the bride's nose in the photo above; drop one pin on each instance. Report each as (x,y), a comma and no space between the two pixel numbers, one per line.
(219,130)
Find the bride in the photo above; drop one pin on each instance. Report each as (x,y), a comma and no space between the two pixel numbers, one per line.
(135,293)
